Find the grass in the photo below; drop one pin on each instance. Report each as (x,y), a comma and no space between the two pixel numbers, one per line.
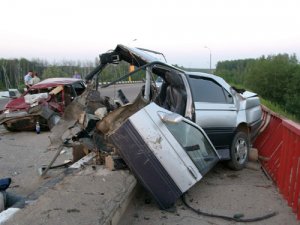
(279,110)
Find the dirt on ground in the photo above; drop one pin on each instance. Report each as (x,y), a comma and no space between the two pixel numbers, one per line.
(222,191)
(21,154)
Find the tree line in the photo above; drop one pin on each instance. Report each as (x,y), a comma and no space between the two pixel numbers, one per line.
(12,71)
(275,78)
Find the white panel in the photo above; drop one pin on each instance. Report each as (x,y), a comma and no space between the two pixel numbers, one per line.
(164,146)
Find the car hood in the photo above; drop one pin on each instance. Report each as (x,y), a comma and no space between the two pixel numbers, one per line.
(248,94)
(17,104)
(27,101)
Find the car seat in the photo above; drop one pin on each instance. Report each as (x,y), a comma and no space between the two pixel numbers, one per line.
(176,96)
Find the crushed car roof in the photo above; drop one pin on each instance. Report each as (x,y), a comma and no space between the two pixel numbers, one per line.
(139,57)
(50,82)
(136,56)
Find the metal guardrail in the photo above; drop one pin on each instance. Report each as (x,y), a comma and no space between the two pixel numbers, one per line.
(279,152)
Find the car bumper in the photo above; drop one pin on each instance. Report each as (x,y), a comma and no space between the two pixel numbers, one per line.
(24,121)
(254,129)
(19,121)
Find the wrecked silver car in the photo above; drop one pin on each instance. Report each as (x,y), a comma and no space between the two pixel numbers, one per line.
(159,134)
(230,117)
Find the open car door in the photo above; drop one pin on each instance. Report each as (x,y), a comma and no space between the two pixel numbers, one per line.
(167,153)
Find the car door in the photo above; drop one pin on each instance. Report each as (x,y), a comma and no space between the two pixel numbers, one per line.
(168,156)
(215,111)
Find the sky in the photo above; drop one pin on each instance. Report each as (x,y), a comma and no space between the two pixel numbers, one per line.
(82,29)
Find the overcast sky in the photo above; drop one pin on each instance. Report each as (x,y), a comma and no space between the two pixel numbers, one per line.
(82,29)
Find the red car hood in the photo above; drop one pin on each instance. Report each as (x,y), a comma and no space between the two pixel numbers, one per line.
(17,104)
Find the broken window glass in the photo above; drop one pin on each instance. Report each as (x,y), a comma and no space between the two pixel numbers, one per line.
(198,149)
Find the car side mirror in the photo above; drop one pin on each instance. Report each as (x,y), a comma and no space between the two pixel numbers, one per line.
(170,117)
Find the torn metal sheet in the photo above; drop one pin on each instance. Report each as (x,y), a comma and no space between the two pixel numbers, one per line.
(117,117)
(68,120)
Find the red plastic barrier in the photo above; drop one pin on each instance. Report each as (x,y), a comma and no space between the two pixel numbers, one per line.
(279,152)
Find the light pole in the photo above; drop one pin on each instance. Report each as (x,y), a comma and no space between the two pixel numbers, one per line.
(209,58)
(130,43)
(131,67)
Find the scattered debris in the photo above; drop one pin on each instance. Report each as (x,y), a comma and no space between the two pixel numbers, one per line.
(114,162)
(155,134)
(73,211)
(7,199)
(254,166)
(253,155)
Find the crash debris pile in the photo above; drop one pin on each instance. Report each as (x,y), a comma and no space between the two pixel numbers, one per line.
(86,125)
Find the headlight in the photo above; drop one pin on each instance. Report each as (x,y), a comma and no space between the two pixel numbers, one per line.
(6,111)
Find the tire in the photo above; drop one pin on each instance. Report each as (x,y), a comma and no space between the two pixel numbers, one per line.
(239,151)
(9,128)
(53,120)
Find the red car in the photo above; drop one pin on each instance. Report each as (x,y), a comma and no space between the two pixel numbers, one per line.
(44,102)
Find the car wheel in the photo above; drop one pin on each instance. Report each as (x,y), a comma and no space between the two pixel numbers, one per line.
(239,151)
(9,128)
(53,120)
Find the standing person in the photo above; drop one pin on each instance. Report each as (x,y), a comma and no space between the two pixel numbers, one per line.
(76,75)
(28,78)
(35,79)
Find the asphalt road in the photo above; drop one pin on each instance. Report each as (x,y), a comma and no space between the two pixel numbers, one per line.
(130,90)
(223,192)
(3,101)
(21,154)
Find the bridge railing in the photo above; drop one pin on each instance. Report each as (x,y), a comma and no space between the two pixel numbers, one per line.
(279,152)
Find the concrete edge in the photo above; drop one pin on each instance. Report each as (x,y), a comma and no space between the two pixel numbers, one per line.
(7,214)
(114,216)
(10,212)
(121,207)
